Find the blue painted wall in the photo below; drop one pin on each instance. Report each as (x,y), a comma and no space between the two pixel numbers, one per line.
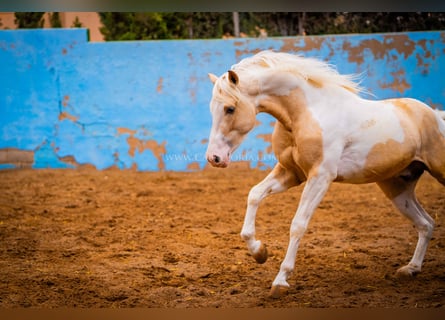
(144,104)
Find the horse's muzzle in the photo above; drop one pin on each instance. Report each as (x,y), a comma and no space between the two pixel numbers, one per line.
(217,161)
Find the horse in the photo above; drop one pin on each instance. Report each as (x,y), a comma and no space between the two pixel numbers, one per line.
(325,132)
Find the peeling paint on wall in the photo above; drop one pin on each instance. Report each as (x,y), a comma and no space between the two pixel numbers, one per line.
(380,48)
(144,105)
(399,82)
(267,137)
(65,115)
(141,145)
(159,86)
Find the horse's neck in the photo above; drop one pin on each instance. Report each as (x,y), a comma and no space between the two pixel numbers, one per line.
(290,99)
(283,108)
(287,104)
(266,90)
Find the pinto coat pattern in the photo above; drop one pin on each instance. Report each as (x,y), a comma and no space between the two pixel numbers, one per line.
(325,132)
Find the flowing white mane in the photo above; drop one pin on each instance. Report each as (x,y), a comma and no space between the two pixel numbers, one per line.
(316,71)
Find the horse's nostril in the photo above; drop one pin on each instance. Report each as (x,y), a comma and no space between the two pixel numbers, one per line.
(216,159)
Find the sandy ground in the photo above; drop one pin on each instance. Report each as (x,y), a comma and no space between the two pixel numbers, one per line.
(88,238)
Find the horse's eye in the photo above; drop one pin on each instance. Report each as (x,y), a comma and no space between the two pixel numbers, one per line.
(229,110)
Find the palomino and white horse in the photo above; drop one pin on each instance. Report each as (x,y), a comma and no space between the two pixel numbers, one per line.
(325,132)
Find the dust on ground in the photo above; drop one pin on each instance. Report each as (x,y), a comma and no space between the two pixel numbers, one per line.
(122,238)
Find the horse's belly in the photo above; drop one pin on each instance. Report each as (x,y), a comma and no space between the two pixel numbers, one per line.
(353,173)
(383,161)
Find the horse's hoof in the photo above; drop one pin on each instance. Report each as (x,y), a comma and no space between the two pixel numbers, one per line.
(278,291)
(261,255)
(407,272)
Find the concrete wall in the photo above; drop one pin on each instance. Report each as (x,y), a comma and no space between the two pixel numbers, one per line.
(89,20)
(66,102)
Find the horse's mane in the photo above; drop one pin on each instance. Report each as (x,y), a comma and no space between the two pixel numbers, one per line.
(316,71)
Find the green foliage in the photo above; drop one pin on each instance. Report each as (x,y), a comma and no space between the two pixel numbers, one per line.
(208,25)
(134,26)
(205,25)
(54,20)
(165,25)
(76,23)
(29,20)
(372,22)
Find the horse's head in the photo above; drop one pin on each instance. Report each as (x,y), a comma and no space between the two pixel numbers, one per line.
(233,116)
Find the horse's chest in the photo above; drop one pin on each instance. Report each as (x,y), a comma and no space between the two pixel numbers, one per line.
(300,151)
(302,157)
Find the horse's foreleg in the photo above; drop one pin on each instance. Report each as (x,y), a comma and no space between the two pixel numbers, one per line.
(403,197)
(278,180)
(313,193)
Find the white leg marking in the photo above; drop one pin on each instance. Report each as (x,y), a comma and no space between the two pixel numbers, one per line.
(410,207)
(314,191)
(278,180)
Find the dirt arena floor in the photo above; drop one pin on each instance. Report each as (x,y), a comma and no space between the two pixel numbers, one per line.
(88,238)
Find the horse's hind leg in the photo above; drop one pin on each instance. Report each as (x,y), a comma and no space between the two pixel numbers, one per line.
(400,190)
(278,180)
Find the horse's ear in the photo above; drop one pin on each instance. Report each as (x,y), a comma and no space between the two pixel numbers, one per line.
(212,77)
(233,77)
